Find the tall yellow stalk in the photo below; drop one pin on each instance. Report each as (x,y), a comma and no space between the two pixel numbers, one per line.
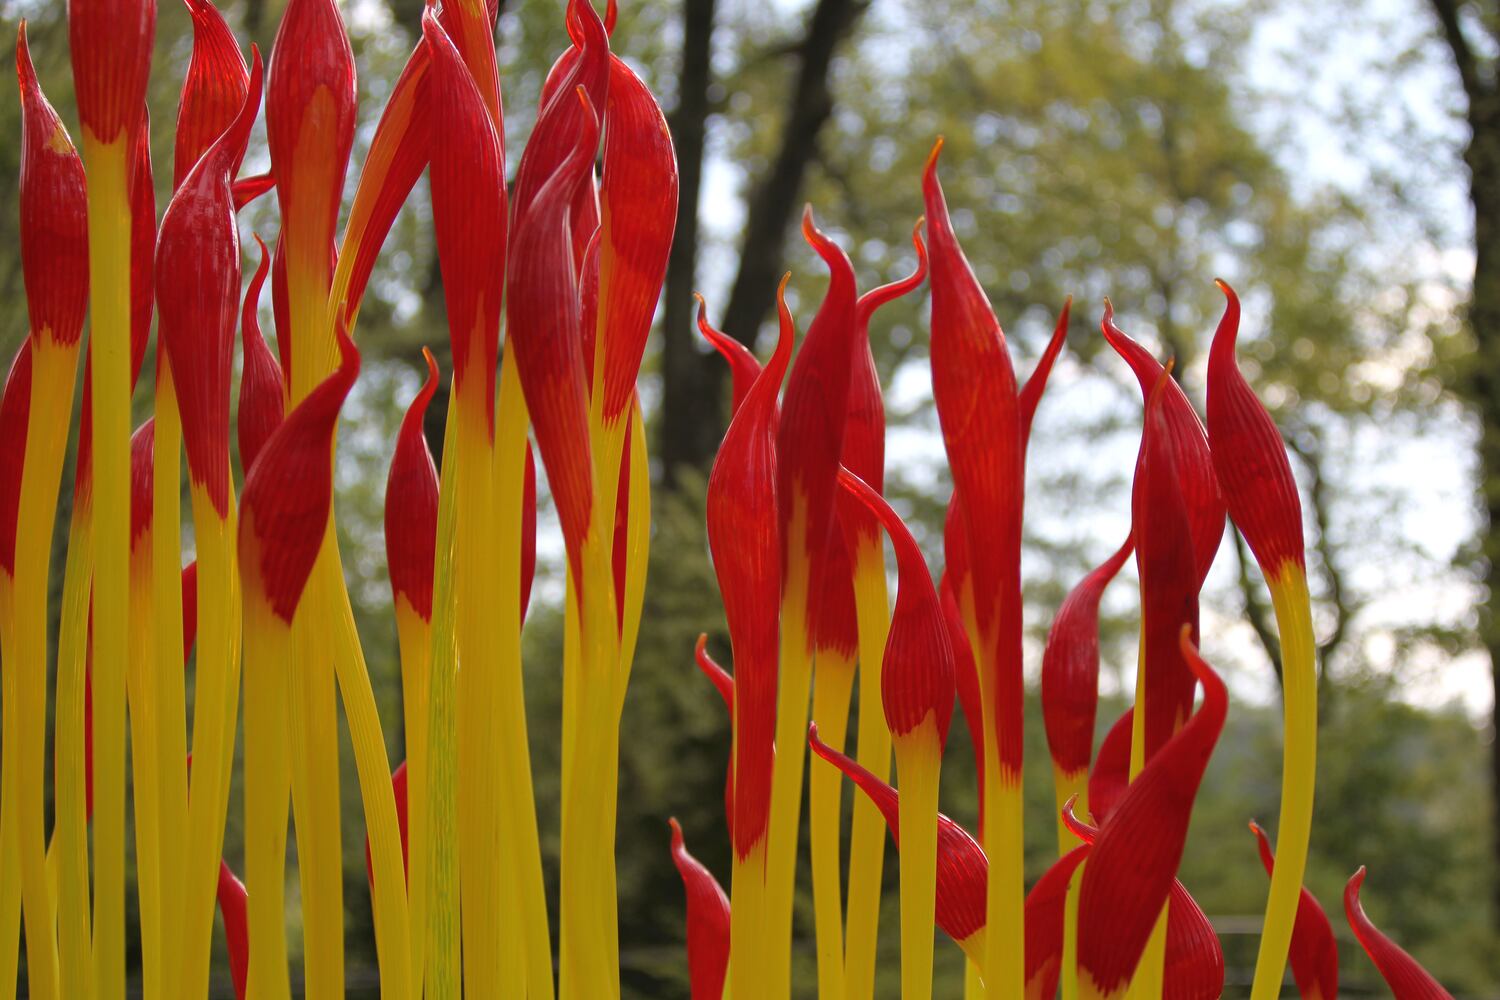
(70,832)
(1290,601)
(791,752)
(140,692)
(53,370)
(171,696)
(833,682)
(517,802)
(214,715)
(867,839)
(109,347)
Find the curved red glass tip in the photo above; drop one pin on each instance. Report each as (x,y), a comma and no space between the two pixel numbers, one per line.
(1134,861)
(111,44)
(198,299)
(871,301)
(1077,827)
(744,540)
(717,675)
(863,451)
(212,92)
(53,214)
(1110,774)
(468,210)
(1070,668)
(233,902)
(1407,979)
(916,677)
(542,311)
(247,189)
(15,411)
(1189,445)
(743,366)
(810,436)
(1249,455)
(411,504)
(638,205)
(1314,954)
(289,493)
(864,428)
(965,679)
(1161,523)
(1031,392)
(962,869)
(707,921)
(262,389)
(725,686)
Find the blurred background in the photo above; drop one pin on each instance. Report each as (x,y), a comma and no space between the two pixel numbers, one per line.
(1338,163)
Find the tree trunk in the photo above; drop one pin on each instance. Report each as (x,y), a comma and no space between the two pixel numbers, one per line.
(1482,386)
(693,407)
(690,414)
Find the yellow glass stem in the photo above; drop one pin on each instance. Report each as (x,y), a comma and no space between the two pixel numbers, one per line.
(747,963)
(269,651)
(638,545)
(70,834)
(437,869)
(1004,837)
(1150,972)
(588,921)
(169,677)
(919,758)
(109,347)
(1069,976)
(867,827)
(1293,607)
(52,374)
(791,753)
(330,608)
(833,683)
(140,694)
(315,802)
(494,961)
(214,713)
(414,636)
(10,845)
(973,981)
(517,799)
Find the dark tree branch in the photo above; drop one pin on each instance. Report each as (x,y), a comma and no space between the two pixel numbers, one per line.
(773,206)
(693,405)
(1480,383)
(1448,15)
(688,425)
